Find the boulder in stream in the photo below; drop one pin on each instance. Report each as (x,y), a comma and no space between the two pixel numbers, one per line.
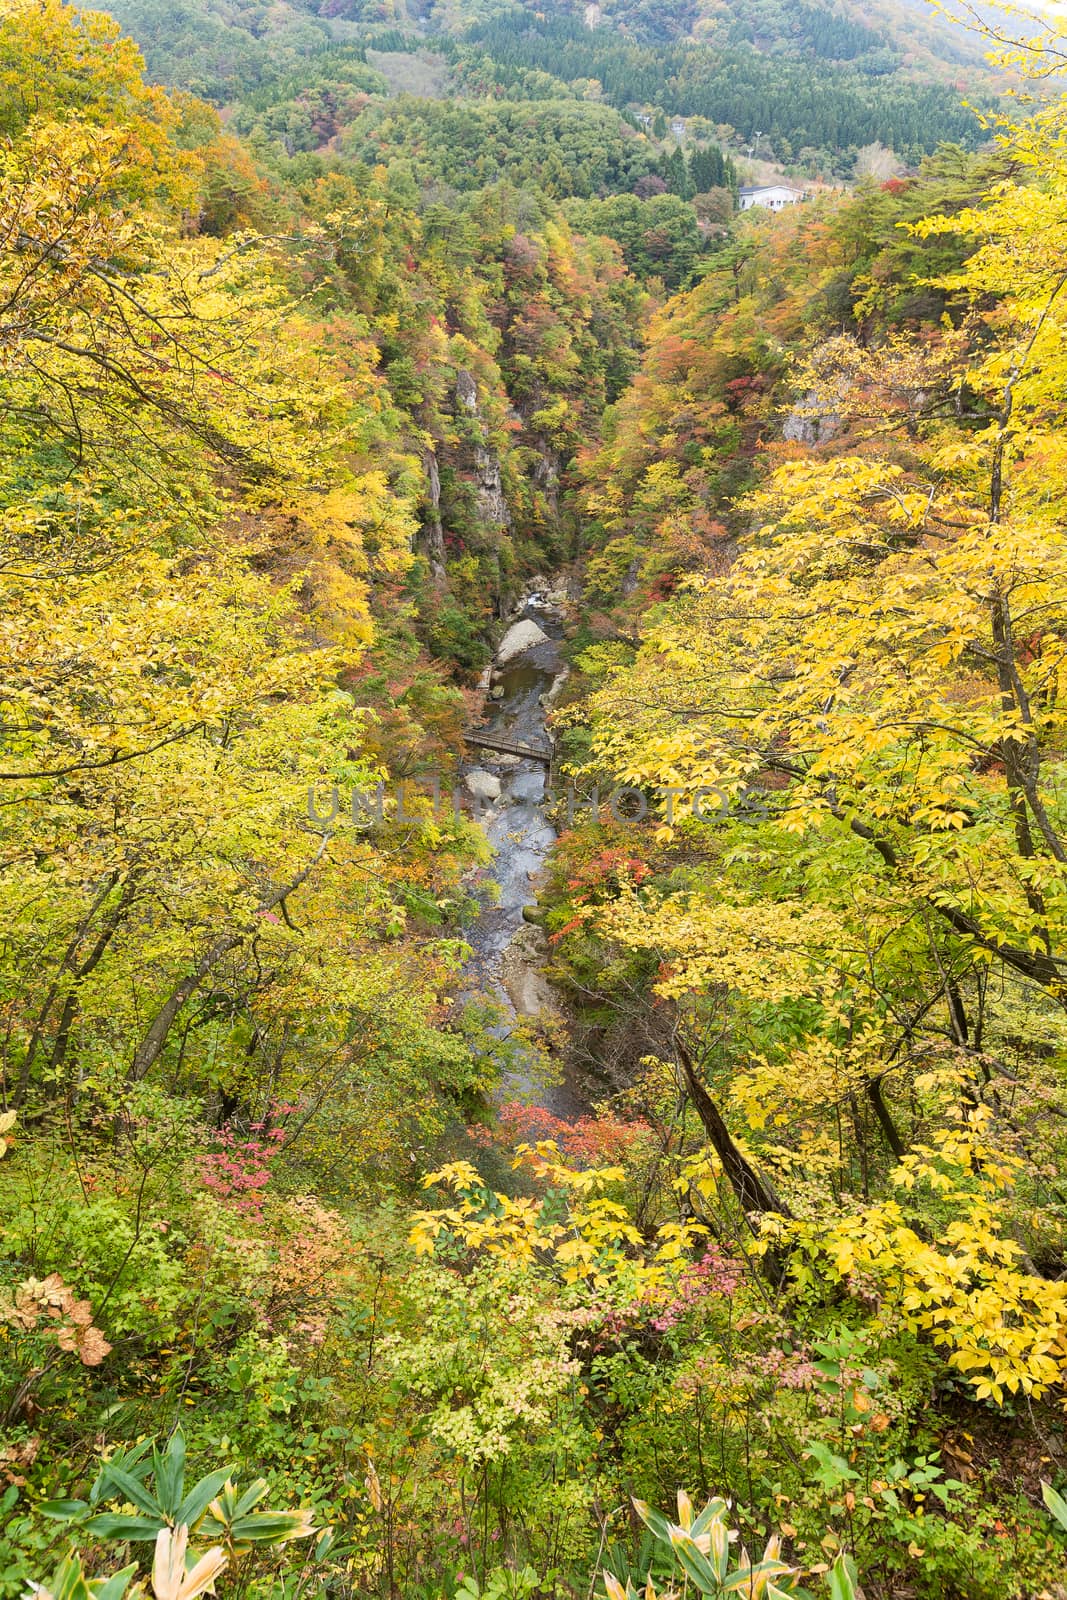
(558,684)
(482,785)
(524,983)
(522,636)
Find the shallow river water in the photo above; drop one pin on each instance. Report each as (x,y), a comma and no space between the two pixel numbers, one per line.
(521,837)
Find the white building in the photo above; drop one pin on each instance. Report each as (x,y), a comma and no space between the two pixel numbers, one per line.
(771,196)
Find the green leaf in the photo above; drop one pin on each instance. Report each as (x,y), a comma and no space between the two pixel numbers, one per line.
(115,1587)
(1056,1504)
(116,1525)
(745,1578)
(704,1518)
(130,1460)
(63,1510)
(833,1469)
(223,1508)
(841,1586)
(252,1496)
(170,1473)
(270,1527)
(69,1580)
(201,1495)
(696,1566)
(132,1489)
(652,1519)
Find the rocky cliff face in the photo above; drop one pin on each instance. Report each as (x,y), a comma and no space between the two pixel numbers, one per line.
(433,535)
(811,422)
(546,475)
(492,488)
(491,503)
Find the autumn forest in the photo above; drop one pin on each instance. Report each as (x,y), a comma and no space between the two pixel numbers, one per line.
(533,846)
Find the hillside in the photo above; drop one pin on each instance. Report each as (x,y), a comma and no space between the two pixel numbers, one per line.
(877,36)
(745,72)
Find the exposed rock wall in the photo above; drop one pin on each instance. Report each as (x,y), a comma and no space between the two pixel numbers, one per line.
(492,506)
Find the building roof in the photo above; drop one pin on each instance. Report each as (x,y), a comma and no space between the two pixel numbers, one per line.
(765,188)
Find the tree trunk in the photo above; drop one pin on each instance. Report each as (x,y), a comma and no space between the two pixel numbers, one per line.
(755,1194)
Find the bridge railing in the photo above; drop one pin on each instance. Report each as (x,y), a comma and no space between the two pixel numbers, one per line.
(510,747)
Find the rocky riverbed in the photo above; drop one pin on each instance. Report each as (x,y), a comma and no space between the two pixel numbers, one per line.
(508,952)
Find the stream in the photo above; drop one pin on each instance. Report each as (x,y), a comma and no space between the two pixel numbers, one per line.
(506,948)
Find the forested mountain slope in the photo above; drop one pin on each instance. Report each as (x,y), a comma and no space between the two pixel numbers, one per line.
(875,35)
(817,83)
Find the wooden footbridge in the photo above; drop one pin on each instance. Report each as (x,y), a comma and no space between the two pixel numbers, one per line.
(510,747)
